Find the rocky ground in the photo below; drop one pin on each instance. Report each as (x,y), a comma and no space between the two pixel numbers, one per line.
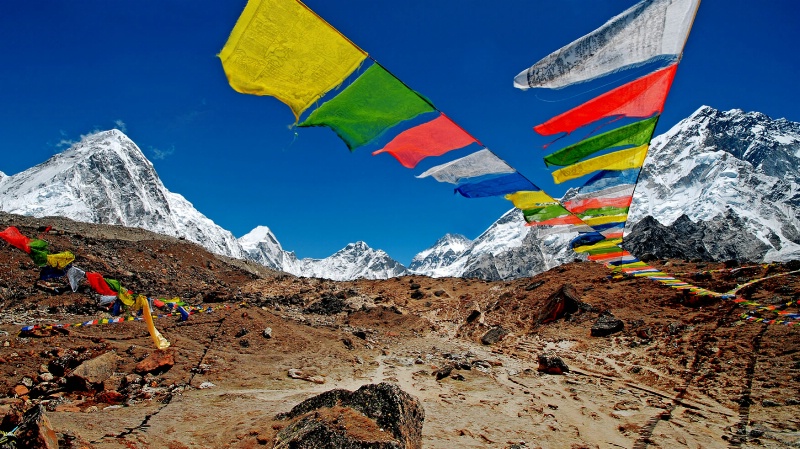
(480,359)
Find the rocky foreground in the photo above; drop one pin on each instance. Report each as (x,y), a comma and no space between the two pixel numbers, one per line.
(570,358)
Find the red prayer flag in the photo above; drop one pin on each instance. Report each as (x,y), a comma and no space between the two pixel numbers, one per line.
(13,237)
(578,206)
(99,284)
(565,220)
(639,98)
(433,138)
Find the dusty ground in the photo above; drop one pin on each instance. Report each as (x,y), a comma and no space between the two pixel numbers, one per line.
(678,375)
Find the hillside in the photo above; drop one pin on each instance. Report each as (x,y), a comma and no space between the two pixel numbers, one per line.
(681,373)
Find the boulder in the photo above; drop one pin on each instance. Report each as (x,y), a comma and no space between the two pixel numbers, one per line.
(494,335)
(606,325)
(561,304)
(376,416)
(552,364)
(156,363)
(94,371)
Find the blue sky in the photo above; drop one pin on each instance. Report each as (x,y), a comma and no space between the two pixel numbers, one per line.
(149,68)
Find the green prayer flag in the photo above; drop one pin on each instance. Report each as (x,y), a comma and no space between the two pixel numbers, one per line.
(114,284)
(38,252)
(635,134)
(375,102)
(544,213)
(602,211)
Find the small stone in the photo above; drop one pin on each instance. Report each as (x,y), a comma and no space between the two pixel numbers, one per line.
(606,325)
(769,403)
(267,333)
(494,335)
(20,390)
(206,385)
(551,364)
(157,362)
(46,377)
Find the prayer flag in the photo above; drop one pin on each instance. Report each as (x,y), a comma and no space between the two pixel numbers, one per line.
(433,138)
(618,160)
(635,134)
(283,49)
(13,237)
(375,102)
(648,31)
(640,98)
(497,186)
(480,163)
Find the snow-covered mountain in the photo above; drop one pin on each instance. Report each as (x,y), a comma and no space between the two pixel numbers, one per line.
(355,261)
(263,247)
(105,178)
(721,185)
(734,175)
(507,250)
(438,259)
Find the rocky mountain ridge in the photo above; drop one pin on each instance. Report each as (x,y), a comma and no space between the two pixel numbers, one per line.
(732,177)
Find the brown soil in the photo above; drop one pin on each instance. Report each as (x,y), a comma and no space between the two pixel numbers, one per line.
(682,373)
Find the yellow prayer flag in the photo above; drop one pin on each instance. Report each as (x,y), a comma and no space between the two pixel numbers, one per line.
(604,219)
(618,160)
(599,245)
(283,49)
(530,199)
(60,260)
(155,335)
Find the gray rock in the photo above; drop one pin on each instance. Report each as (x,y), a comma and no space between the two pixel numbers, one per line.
(494,335)
(606,325)
(321,421)
(96,370)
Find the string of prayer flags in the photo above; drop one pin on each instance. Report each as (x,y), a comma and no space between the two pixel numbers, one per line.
(373,103)
(283,49)
(433,138)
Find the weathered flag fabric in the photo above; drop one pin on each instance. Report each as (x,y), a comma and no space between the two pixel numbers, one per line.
(282,49)
(375,102)
(634,134)
(99,284)
(433,138)
(618,160)
(479,163)
(497,186)
(640,98)
(648,31)
(13,237)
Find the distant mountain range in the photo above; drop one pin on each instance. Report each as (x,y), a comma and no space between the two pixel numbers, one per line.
(723,185)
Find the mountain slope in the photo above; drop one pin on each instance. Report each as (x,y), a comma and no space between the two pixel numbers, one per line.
(729,166)
(106,179)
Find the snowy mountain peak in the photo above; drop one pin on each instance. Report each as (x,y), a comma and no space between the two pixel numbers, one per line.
(105,178)
(354,261)
(441,255)
(718,165)
(259,234)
